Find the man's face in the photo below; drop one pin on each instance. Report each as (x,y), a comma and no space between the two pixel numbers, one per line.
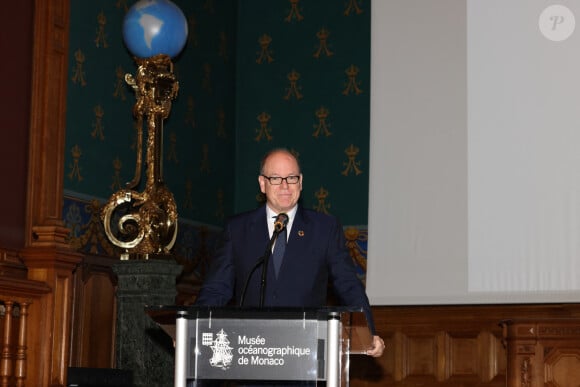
(283,197)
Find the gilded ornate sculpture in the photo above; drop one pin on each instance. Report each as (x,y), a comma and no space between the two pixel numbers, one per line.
(146,222)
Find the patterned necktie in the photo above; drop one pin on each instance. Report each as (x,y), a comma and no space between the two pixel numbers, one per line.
(279,249)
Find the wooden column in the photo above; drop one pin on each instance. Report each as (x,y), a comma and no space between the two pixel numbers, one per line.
(6,357)
(46,253)
(44,224)
(20,368)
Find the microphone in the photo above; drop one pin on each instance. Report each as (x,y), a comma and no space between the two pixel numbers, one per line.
(280,222)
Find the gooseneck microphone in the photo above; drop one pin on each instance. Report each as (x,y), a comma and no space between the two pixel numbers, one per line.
(280,222)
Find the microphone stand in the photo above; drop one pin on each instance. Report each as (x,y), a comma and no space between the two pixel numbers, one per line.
(263,260)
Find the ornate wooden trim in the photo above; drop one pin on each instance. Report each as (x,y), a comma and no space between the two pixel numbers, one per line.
(526,372)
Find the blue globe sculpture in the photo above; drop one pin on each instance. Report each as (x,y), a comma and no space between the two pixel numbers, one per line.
(154,27)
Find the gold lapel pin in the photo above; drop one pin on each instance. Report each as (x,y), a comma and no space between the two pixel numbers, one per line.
(301,233)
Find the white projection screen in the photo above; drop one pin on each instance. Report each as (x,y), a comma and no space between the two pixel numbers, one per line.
(475,152)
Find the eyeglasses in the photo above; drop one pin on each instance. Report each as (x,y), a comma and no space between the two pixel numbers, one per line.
(277,180)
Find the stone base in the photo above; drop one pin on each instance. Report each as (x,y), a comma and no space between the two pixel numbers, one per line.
(141,345)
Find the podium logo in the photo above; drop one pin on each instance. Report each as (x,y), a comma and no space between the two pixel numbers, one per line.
(220,346)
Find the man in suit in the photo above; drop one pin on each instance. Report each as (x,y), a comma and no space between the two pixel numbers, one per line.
(315,252)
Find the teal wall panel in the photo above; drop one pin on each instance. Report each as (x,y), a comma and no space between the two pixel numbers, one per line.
(237,100)
(199,133)
(294,89)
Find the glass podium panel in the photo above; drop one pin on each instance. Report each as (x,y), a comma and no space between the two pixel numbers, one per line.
(257,349)
(268,344)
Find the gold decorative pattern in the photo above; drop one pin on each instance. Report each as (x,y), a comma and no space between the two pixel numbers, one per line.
(122,4)
(78,71)
(265,54)
(117,165)
(322,127)
(352,85)
(352,165)
(353,236)
(91,234)
(353,6)
(321,196)
(322,36)
(188,200)
(120,84)
(294,13)
(101,38)
(264,130)
(295,153)
(98,127)
(75,168)
(293,89)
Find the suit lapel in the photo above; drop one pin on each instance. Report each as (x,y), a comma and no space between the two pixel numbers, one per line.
(259,225)
(262,237)
(299,227)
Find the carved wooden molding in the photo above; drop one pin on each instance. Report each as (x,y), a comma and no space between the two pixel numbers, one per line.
(526,372)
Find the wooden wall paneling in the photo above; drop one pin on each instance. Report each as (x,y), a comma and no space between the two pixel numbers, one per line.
(562,367)
(462,358)
(444,356)
(399,367)
(524,365)
(492,356)
(54,267)
(421,353)
(436,346)
(543,351)
(472,347)
(94,314)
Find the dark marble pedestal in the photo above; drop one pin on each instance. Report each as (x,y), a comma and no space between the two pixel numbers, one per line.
(141,346)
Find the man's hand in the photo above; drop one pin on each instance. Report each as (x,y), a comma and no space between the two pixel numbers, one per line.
(377,347)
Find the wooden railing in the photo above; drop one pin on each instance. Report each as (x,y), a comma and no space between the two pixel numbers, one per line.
(13,357)
(22,302)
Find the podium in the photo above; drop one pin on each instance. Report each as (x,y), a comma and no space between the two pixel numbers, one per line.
(267,344)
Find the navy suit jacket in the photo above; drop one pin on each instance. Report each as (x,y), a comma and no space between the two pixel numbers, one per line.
(316,254)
